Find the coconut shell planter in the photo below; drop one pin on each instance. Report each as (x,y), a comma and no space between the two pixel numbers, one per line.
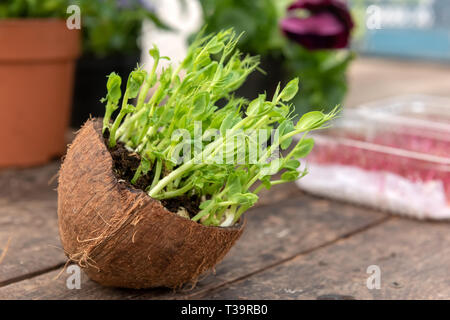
(139,242)
(149,200)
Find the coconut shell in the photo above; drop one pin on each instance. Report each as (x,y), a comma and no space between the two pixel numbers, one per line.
(119,235)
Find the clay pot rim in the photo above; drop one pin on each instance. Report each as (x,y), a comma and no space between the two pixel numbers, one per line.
(38,40)
(97,125)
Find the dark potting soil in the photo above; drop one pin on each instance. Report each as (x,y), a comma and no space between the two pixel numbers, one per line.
(125,165)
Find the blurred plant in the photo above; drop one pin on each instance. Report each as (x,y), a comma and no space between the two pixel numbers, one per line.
(109,26)
(256,20)
(114,26)
(302,36)
(219,158)
(33,8)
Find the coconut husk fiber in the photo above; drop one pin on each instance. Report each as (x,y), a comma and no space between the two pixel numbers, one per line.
(118,234)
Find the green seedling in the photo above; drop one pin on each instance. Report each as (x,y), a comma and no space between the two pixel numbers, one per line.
(192,147)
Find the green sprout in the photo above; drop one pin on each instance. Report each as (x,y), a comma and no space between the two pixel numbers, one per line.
(194,148)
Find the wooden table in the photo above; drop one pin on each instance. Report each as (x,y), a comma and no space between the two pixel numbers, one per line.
(295,246)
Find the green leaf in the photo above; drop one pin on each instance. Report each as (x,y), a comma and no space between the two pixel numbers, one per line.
(113,87)
(303,149)
(290,175)
(201,101)
(269,169)
(215,47)
(310,121)
(290,90)
(286,143)
(154,52)
(202,60)
(129,108)
(168,116)
(256,105)
(292,164)
(199,184)
(204,204)
(266,182)
(134,83)
(227,123)
(244,199)
(234,184)
(145,165)
(285,127)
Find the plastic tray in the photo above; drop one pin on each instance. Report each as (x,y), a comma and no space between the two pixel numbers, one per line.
(392,154)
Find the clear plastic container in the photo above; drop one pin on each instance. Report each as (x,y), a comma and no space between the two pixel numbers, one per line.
(392,154)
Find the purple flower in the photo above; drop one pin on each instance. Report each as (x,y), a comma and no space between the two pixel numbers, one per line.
(327,25)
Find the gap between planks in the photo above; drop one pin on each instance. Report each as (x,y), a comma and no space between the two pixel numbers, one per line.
(31,275)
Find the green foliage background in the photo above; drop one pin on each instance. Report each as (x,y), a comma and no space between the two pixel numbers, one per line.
(108,27)
(33,8)
(322,73)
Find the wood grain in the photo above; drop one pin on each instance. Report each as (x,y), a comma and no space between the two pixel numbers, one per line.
(274,234)
(413,258)
(28,220)
(374,78)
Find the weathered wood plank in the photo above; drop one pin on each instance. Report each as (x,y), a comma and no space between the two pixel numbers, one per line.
(413,257)
(52,285)
(17,185)
(375,78)
(28,222)
(278,194)
(274,233)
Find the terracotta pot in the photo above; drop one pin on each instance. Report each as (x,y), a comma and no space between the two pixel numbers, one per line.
(37,61)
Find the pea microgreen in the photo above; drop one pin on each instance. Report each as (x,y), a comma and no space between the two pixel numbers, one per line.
(223,155)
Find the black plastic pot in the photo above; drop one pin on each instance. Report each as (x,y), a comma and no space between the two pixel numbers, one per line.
(258,82)
(90,83)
